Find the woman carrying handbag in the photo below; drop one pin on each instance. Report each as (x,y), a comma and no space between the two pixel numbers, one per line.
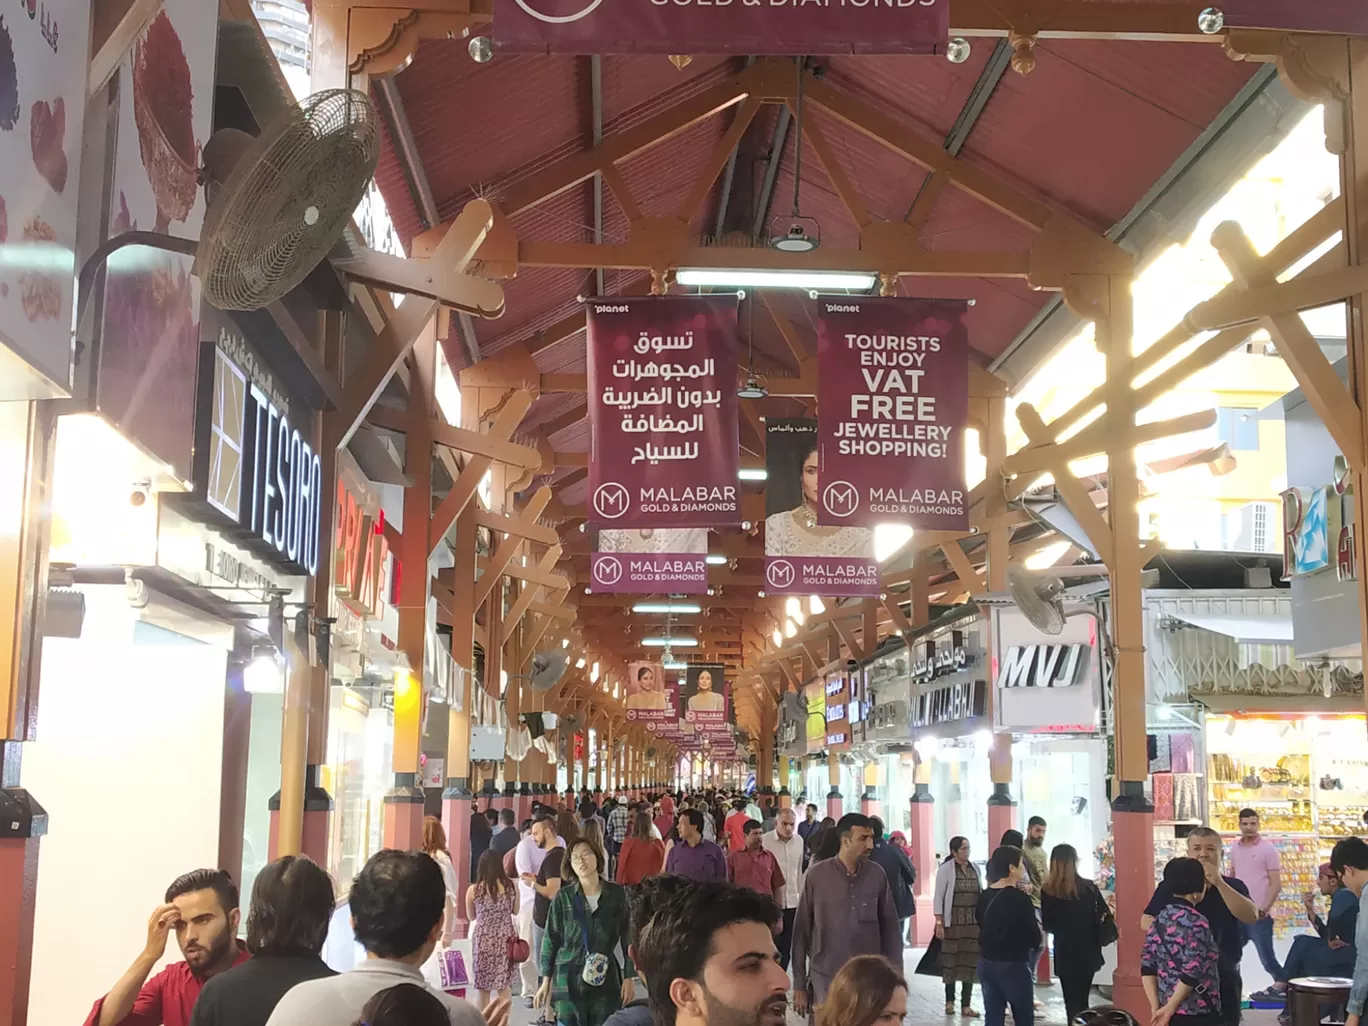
(491,904)
(1073,909)
(587,972)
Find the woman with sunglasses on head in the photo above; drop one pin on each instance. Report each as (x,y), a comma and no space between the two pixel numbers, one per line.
(586,969)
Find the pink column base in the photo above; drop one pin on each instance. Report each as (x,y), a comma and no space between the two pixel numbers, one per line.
(315,841)
(1001,818)
(924,922)
(19,873)
(786,801)
(1133,839)
(924,859)
(522,808)
(403,825)
(835,807)
(871,807)
(456,810)
(1043,968)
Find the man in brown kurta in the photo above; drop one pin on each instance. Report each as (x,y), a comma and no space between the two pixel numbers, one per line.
(846,909)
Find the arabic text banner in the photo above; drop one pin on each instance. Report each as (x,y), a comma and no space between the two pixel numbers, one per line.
(801,557)
(893,396)
(662,412)
(721,26)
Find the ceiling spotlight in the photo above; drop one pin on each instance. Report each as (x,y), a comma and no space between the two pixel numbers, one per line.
(778,638)
(957,50)
(797,238)
(481,50)
(752,389)
(1211,21)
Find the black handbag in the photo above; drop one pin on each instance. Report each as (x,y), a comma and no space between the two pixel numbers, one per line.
(1107,930)
(930,964)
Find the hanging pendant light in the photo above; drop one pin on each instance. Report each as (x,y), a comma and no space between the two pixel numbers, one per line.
(754,388)
(796,233)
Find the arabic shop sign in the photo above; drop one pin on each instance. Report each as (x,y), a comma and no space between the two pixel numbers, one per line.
(255,465)
(1043,666)
(953,653)
(1318,527)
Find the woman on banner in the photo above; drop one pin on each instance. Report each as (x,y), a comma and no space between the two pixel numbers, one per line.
(675,540)
(646,690)
(705,699)
(795,532)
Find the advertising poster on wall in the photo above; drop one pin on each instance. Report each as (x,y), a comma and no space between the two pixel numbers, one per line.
(645,561)
(707,694)
(149,340)
(651,698)
(662,412)
(893,391)
(802,557)
(44,58)
(651,26)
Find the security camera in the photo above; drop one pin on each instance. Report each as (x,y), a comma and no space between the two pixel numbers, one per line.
(137,495)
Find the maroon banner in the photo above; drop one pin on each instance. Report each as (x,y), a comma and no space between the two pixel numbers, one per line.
(651,700)
(802,557)
(791,27)
(662,412)
(893,396)
(706,695)
(1342,17)
(678,573)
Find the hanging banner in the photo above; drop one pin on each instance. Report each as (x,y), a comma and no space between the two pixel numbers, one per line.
(802,557)
(721,26)
(662,413)
(1341,17)
(646,561)
(707,695)
(651,700)
(893,396)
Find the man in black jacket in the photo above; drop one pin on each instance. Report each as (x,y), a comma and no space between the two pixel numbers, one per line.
(902,875)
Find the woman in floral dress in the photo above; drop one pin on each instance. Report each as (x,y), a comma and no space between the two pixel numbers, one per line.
(491,904)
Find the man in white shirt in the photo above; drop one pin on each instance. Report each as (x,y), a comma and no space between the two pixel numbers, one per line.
(786,846)
(528,856)
(398,902)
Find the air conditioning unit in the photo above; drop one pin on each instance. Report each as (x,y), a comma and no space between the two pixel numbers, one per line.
(1254,527)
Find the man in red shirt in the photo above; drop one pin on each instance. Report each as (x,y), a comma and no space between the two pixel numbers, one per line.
(734,826)
(755,867)
(202,907)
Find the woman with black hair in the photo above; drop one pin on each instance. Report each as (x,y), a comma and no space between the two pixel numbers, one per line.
(292,904)
(1007,935)
(956,898)
(405,1005)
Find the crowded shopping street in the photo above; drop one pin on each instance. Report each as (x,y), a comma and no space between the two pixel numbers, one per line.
(683,513)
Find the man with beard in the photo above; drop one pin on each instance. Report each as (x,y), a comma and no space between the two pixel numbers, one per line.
(1037,868)
(708,958)
(202,908)
(1226,906)
(846,909)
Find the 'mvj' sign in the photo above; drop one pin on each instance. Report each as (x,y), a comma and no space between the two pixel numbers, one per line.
(1043,666)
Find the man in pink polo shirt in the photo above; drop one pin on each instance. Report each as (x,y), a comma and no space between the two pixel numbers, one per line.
(1254,862)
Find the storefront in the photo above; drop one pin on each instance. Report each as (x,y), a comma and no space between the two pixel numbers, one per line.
(887,714)
(1048,691)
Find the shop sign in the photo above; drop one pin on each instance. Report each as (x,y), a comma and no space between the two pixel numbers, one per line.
(1043,666)
(1318,527)
(888,721)
(815,727)
(941,658)
(252,464)
(362,552)
(951,702)
(837,714)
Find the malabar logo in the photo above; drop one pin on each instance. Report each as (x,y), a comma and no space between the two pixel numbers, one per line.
(541,10)
(611,500)
(779,573)
(841,498)
(607,570)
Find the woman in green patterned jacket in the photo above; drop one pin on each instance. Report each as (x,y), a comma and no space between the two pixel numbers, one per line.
(586,972)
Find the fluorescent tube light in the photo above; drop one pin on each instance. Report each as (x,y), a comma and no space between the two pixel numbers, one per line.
(716,277)
(670,642)
(753,474)
(667,607)
(715,559)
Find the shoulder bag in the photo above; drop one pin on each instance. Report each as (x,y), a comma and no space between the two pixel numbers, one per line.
(1107,931)
(595,970)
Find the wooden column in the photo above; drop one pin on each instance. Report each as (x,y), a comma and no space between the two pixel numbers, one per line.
(318,804)
(512,699)
(403,826)
(458,798)
(1132,814)
(26,433)
(785,795)
(294,736)
(1354,179)
(493,618)
(1001,806)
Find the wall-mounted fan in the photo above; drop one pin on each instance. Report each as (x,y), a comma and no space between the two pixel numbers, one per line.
(1039,599)
(279,203)
(547,669)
